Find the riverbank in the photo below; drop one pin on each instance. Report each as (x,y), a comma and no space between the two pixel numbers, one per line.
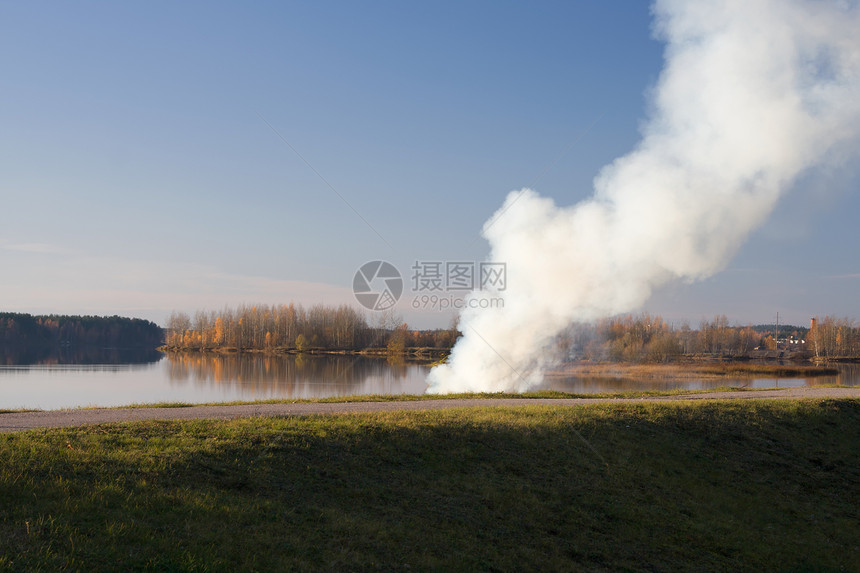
(686,370)
(687,486)
(695,365)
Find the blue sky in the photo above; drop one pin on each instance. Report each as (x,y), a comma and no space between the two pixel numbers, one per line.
(138,174)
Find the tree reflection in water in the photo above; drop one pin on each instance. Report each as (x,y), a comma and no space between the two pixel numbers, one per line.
(76,355)
(298,375)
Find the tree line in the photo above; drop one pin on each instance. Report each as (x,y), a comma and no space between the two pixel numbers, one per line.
(647,338)
(25,331)
(292,327)
(832,337)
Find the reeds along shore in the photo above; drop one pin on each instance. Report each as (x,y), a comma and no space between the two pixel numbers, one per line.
(694,370)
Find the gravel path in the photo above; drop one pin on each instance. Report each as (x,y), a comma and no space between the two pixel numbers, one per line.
(18,421)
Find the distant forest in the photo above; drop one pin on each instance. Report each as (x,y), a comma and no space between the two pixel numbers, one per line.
(646,338)
(19,331)
(629,338)
(292,327)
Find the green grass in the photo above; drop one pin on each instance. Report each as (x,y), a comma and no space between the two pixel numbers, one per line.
(705,486)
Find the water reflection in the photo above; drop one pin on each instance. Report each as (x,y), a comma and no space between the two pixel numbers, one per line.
(297,376)
(197,378)
(67,355)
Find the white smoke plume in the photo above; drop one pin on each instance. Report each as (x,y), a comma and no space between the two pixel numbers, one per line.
(753,93)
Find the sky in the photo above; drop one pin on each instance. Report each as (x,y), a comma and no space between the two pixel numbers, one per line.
(159,156)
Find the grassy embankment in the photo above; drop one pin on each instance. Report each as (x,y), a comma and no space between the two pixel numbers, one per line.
(685,486)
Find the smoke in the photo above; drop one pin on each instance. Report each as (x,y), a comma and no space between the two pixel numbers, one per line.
(752,94)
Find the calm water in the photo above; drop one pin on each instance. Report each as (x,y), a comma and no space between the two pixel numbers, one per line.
(212,378)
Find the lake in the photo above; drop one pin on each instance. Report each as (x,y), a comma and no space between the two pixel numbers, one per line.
(117,379)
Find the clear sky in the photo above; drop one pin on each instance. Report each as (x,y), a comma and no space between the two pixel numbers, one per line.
(141,171)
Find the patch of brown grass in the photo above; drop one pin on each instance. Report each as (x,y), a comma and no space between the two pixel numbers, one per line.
(692,370)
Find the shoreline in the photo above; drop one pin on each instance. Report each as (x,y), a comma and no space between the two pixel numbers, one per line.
(696,369)
(421,353)
(684,367)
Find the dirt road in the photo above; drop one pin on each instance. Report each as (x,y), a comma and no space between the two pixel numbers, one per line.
(18,421)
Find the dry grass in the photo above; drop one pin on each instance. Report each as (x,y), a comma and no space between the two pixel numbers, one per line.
(686,371)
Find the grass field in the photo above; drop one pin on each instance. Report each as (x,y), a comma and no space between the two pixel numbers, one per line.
(705,486)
